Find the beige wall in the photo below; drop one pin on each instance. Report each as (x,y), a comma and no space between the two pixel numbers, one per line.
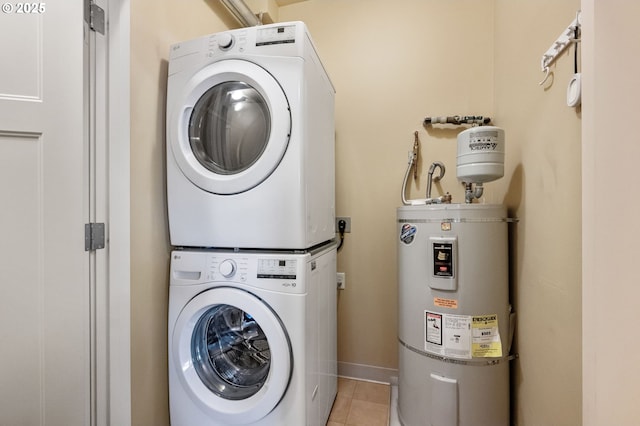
(544,191)
(391,67)
(393,63)
(154,26)
(611,152)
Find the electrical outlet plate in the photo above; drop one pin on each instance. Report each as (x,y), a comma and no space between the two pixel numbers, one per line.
(341,280)
(348,222)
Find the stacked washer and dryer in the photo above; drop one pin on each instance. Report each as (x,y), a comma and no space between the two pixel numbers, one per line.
(251,205)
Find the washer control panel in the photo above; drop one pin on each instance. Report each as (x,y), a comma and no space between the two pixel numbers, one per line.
(225,268)
(285,269)
(278,272)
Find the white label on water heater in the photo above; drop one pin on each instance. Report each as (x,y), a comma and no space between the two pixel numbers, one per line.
(448,335)
(462,336)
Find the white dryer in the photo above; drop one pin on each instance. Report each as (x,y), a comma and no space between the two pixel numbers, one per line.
(250,141)
(252,337)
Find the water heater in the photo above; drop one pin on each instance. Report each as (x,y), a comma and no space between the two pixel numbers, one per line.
(480,154)
(454,315)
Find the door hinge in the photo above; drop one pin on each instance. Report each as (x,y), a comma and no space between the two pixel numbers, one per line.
(94,16)
(93,236)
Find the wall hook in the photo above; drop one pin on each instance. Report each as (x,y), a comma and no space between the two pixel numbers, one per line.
(546,76)
(569,36)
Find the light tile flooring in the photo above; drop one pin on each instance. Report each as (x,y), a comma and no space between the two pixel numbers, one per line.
(360,403)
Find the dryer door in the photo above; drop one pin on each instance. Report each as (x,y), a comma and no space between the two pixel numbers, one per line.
(232,354)
(229,127)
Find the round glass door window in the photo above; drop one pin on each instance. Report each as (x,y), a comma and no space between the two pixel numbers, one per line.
(230,352)
(229,127)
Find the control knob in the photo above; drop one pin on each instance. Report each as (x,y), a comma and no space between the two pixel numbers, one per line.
(225,40)
(227,268)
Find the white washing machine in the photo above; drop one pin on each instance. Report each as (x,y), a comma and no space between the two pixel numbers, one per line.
(252,337)
(250,141)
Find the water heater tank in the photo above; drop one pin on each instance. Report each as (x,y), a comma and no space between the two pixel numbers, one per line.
(480,154)
(454,317)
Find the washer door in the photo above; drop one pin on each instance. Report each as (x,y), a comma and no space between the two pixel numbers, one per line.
(233,355)
(229,127)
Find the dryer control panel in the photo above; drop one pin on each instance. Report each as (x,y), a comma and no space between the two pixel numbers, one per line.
(276,35)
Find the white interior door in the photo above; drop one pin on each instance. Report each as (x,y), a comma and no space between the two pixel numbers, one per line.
(45,321)
(96,96)
(106,96)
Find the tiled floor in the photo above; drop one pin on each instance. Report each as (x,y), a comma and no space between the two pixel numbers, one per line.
(360,403)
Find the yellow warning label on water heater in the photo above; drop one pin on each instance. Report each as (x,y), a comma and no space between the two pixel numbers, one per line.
(485,337)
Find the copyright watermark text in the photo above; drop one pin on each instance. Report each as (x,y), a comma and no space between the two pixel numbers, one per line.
(23,8)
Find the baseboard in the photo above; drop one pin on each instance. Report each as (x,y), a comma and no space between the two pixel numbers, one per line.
(370,373)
